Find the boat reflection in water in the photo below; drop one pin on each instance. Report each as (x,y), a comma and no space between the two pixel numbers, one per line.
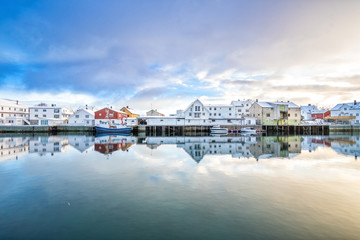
(108,143)
(197,146)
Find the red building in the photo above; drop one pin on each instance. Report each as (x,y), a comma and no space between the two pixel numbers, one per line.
(107,113)
(320,114)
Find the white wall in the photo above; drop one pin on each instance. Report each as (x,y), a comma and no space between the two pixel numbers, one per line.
(82,118)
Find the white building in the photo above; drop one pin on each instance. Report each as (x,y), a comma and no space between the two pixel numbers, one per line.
(350,110)
(306,112)
(197,114)
(221,111)
(242,108)
(13,113)
(43,114)
(82,117)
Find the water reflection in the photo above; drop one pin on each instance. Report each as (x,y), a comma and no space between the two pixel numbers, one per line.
(197,147)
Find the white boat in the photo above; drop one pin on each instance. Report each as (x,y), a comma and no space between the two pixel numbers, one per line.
(249,130)
(219,130)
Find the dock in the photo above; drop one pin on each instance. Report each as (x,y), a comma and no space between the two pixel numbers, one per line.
(186,130)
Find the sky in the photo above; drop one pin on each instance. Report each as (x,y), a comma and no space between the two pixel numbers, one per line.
(165,54)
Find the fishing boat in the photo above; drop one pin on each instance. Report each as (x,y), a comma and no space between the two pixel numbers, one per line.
(116,129)
(218,130)
(248,130)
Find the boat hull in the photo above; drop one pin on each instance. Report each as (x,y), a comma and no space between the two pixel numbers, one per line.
(112,130)
(219,130)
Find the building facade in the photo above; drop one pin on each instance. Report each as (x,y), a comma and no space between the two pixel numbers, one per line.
(306,112)
(49,115)
(108,116)
(82,117)
(276,113)
(242,108)
(129,112)
(13,113)
(348,113)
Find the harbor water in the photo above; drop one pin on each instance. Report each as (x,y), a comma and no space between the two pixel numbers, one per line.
(177,187)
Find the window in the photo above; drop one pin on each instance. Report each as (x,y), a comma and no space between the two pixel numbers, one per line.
(214,114)
(288,114)
(214,108)
(229,108)
(56,116)
(190,114)
(268,115)
(44,110)
(229,114)
(99,114)
(86,116)
(36,115)
(219,114)
(295,114)
(56,110)
(111,115)
(77,116)
(44,115)
(209,108)
(209,114)
(36,110)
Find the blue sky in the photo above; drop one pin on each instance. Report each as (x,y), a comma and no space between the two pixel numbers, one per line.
(167,53)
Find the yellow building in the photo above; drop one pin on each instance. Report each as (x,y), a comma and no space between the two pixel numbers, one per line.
(129,111)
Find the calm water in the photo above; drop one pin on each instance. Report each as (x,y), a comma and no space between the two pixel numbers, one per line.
(123,187)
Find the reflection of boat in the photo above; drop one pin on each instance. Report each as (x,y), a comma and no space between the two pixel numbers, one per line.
(218,130)
(248,130)
(113,129)
(108,143)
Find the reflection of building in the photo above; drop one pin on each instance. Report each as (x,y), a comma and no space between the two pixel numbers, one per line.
(278,146)
(346,145)
(112,143)
(48,144)
(12,147)
(198,147)
(81,143)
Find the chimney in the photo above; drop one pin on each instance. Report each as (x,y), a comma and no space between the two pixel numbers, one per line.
(309,104)
(354,102)
(17,102)
(257,100)
(127,106)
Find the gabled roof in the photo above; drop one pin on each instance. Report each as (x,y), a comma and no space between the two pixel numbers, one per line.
(197,100)
(350,105)
(308,108)
(265,104)
(86,110)
(290,104)
(319,112)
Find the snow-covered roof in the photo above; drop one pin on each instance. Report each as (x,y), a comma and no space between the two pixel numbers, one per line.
(265,104)
(320,111)
(11,103)
(308,108)
(86,110)
(351,105)
(218,105)
(290,104)
(239,103)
